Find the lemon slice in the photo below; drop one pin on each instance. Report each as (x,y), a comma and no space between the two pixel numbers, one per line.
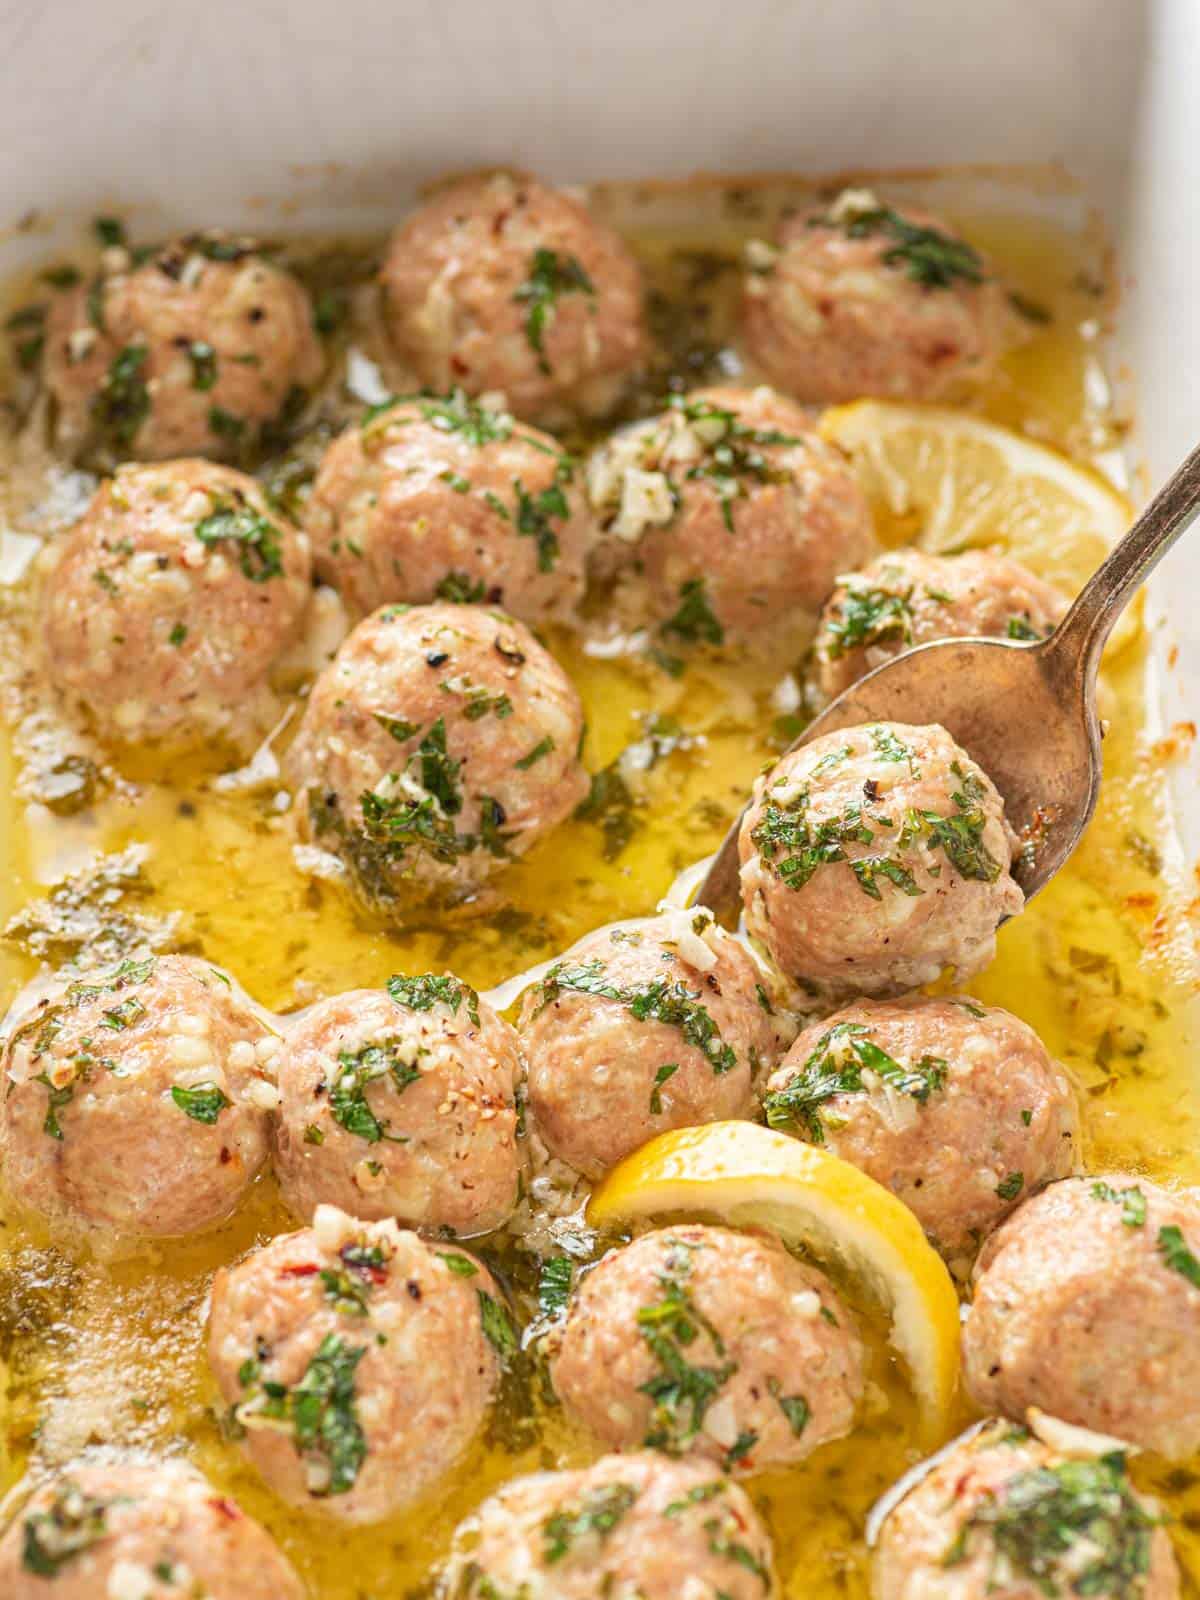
(751,1176)
(947,482)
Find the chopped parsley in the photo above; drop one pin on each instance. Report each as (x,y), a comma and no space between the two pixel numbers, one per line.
(399,727)
(865,616)
(610,804)
(458,414)
(652,1000)
(870,869)
(57,1096)
(320,1411)
(554,1285)
(1010,1187)
(1075,1528)
(733,452)
(424,992)
(1132,1202)
(256,540)
(401,824)
(480,703)
(835,1067)
(204,364)
(930,257)
(534,516)
(598,1513)
(203,1102)
(694,620)
(122,402)
(218,247)
(539,751)
(225,425)
(1022,628)
(795,847)
(46,1027)
(1173,1248)
(438,770)
(346,1294)
(889,748)
(961,835)
(1031,310)
(794,1406)
(27,325)
(64,277)
(331,307)
(71,1524)
(110,231)
(680,1391)
(177,634)
(459,1266)
(722,1543)
(356,1071)
(551,274)
(498,1326)
(668,1070)
(460,589)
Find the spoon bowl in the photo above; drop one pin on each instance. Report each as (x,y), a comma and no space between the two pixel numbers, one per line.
(1025,713)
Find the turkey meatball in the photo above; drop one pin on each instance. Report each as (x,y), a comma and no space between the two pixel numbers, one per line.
(907,598)
(440,743)
(629,1525)
(859,298)
(192,352)
(639,1030)
(956,1108)
(1087,1305)
(875,857)
(499,284)
(442,499)
(170,601)
(784,1356)
(397,1343)
(732,509)
(137,1100)
(401,1103)
(128,1531)
(1002,1516)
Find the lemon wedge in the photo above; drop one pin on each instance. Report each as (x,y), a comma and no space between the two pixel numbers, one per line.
(749,1176)
(948,482)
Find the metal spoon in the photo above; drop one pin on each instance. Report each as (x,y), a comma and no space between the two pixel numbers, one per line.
(1025,712)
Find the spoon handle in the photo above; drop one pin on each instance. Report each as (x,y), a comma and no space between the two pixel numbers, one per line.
(1080,637)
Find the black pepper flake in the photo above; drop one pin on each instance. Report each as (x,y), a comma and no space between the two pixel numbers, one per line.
(507,647)
(436,658)
(414,1289)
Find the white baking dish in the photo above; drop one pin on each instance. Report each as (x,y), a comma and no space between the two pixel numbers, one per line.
(244,111)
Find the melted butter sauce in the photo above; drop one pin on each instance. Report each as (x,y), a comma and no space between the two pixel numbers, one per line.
(1099,964)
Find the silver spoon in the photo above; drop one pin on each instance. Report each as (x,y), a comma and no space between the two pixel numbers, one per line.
(1025,712)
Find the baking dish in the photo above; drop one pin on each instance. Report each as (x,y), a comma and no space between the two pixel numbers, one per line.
(336,122)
